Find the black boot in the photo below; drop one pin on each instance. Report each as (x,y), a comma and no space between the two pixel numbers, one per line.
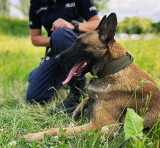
(73,99)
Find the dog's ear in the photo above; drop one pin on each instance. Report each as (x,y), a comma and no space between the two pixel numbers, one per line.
(101,22)
(107,28)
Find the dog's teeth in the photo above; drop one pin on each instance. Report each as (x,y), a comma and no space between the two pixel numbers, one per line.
(84,64)
(74,74)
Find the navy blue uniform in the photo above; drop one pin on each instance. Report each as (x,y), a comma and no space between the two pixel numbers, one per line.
(48,76)
(44,12)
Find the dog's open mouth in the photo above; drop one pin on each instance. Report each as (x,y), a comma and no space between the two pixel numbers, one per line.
(75,71)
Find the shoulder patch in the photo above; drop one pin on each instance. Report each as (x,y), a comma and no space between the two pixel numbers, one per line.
(68,5)
(93,8)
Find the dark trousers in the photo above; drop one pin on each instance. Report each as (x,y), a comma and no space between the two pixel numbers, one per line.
(48,76)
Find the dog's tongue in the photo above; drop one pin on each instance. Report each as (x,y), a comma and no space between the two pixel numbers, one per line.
(72,71)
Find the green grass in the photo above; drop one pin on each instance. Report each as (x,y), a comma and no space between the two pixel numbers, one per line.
(14,26)
(146,54)
(17,58)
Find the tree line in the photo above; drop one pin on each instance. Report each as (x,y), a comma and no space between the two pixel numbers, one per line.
(132,25)
(23,6)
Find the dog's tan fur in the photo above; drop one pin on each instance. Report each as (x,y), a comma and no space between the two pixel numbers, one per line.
(110,96)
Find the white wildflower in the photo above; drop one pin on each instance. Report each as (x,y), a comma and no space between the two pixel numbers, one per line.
(56,137)
(1,130)
(12,143)
(71,124)
(105,129)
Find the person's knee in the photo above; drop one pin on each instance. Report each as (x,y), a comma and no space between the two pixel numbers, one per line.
(61,39)
(58,34)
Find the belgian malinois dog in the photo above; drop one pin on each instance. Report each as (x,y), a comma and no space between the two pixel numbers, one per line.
(119,84)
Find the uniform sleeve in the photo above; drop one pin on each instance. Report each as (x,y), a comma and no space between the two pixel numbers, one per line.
(87,9)
(34,19)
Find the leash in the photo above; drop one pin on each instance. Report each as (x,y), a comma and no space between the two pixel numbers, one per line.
(116,65)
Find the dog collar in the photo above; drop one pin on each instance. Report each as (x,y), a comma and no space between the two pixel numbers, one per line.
(116,65)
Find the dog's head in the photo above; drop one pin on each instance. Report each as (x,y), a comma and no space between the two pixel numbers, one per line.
(92,50)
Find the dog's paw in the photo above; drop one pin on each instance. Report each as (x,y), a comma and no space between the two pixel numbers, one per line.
(76,115)
(34,136)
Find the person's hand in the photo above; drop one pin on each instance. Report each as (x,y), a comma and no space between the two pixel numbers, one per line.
(61,23)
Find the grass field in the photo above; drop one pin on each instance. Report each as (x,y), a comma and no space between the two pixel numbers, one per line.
(17,58)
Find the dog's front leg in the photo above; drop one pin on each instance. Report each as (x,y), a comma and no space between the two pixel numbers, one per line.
(34,136)
(80,109)
(57,132)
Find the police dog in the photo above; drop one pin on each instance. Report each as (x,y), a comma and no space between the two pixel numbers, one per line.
(119,84)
